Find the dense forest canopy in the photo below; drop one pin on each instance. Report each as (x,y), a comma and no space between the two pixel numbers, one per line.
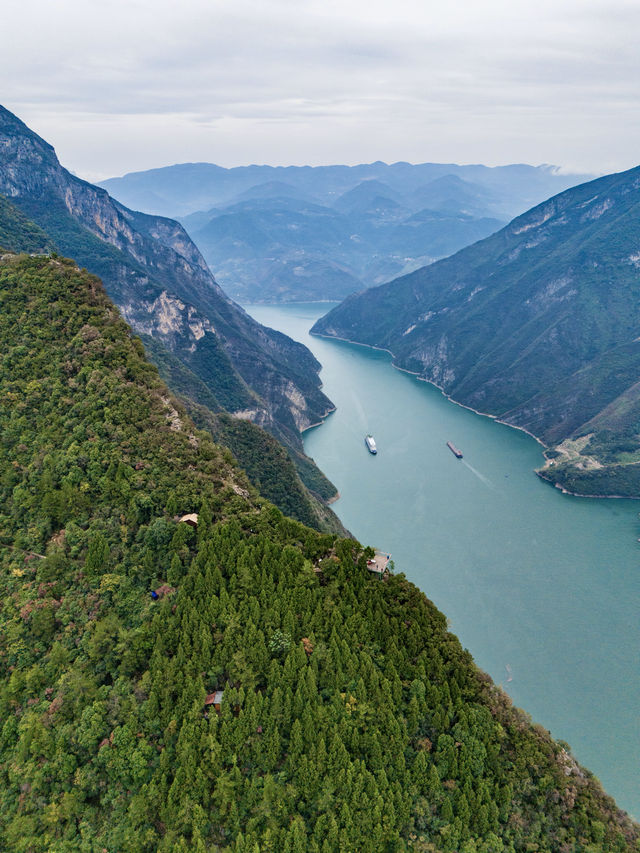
(350,719)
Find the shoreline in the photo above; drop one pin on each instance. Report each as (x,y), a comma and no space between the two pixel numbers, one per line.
(536,471)
(564,491)
(320,422)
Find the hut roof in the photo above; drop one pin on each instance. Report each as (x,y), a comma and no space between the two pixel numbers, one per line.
(190,518)
(214,698)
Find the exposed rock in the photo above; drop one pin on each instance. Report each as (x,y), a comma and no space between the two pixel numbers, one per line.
(163,287)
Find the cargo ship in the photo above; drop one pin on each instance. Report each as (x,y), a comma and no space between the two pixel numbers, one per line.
(457,453)
(371,444)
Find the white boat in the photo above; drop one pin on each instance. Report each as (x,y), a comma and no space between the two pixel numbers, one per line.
(371,444)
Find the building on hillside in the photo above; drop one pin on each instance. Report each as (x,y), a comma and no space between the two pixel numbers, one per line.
(214,699)
(379,563)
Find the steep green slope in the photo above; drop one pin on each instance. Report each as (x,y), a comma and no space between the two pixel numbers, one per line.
(351,718)
(286,477)
(161,283)
(536,325)
(267,463)
(18,233)
(270,469)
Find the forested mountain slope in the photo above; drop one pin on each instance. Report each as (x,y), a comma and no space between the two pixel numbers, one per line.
(351,719)
(266,462)
(18,233)
(163,287)
(536,325)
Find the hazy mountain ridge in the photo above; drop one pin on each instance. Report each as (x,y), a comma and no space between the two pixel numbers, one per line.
(536,325)
(308,233)
(188,187)
(163,287)
(286,249)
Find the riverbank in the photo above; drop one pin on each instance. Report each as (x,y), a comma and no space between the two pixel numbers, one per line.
(545,448)
(320,422)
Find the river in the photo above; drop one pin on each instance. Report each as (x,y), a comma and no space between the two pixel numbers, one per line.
(542,588)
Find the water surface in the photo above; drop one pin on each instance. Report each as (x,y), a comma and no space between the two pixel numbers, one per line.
(542,588)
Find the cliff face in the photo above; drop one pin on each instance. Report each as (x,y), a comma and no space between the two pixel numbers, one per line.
(536,325)
(162,285)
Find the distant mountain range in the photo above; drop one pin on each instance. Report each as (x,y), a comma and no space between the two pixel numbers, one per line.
(203,341)
(278,234)
(537,325)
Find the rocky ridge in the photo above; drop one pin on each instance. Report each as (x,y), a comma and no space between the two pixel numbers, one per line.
(162,285)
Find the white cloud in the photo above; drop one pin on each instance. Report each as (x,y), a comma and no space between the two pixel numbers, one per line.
(138,84)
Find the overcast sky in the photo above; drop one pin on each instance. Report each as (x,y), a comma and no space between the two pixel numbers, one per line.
(125,85)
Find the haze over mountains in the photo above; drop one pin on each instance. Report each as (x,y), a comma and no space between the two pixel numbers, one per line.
(278,234)
(536,325)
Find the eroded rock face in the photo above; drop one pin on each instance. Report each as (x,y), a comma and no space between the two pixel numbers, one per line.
(162,285)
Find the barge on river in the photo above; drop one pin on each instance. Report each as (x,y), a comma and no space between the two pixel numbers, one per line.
(457,453)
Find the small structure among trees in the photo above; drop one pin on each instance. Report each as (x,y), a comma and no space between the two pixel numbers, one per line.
(379,563)
(161,591)
(190,518)
(214,699)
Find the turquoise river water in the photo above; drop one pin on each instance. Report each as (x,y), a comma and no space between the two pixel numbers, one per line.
(541,587)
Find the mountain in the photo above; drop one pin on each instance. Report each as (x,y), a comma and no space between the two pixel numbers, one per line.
(19,234)
(285,249)
(235,681)
(164,289)
(319,233)
(267,464)
(189,187)
(272,189)
(364,196)
(537,325)
(281,247)
(452,194)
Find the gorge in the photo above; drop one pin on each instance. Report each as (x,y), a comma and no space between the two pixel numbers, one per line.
(532,579)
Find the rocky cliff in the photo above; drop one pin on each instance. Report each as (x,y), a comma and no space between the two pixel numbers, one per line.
(163,287)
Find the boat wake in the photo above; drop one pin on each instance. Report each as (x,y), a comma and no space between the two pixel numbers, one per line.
(480,476)
(359,408)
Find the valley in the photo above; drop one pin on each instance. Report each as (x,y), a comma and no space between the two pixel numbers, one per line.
(320,427)
(531,579)
(292,234)
(164,583)
(536,326)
